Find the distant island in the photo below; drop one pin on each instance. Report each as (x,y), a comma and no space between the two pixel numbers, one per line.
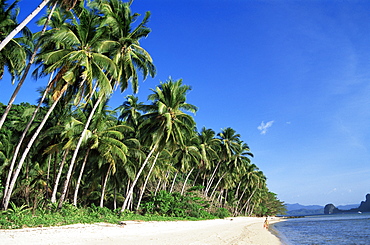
(304,210)
(364,207)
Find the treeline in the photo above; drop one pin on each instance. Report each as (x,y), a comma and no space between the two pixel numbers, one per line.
(145,157)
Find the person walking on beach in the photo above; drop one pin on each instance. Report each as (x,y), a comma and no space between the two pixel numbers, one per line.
(266,224)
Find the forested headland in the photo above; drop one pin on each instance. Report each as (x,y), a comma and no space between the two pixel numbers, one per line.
(73,152)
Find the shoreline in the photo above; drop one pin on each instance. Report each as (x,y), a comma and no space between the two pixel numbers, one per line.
(239,230)
(275,232)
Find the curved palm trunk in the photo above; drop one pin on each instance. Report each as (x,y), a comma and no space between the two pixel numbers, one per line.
(226,196)
(237,190)
(239,200)
(131,190)
(173,181)
(48,178)
(23,24)
(157,188)
(246,205)
(28,148)
(115,199)
(104,186)
(146,181)
(79,178)
(186,180)
(196,178)
(218,182)
(18,147)
(252,209)
(75,153)
(209,184)
(55,189)
(25,73)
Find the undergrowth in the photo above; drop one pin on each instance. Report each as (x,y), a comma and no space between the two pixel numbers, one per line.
(162,207)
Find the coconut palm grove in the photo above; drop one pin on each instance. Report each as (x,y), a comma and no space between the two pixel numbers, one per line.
(71,153)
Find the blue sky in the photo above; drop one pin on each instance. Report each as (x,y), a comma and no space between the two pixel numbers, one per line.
(292,77)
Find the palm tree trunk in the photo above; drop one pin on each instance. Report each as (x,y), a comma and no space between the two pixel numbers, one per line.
(246,208)
(79,178)
(218,182)
(23,24)
(237,190)
(115,199)
(131,202)
(75,153)
(173,181)
(24,133)
(131,190)
(157,188)
(252,209)
(248,201)
(146,181)
(209,184)
(48,178)
(25,73)
(226,196)
(186,180)
(104,186)
(164,186)
(28,148)
(196,178)
(220,197)
(239,200)
(55,189)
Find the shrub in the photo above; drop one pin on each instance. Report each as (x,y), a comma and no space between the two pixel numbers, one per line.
(177,205)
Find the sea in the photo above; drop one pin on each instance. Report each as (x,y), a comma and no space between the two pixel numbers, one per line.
(353,228)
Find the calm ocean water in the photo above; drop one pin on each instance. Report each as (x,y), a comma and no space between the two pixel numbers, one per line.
(326,229)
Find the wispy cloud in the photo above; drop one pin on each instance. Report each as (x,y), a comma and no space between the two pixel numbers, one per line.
(265,126)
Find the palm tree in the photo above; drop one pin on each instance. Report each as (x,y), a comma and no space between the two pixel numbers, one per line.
(55,23)
(27,68)
(130,111)
(123,42)
(77,62)
(187,157)
(68,4)
(107,139)
(248,181)
(147,180)
(68,133)
(14,56)
(165,121)
(209,146)
(125,173)
(5,149)
(229,141)
(119,55)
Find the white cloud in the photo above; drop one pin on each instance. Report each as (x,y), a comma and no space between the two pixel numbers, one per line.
(264,126)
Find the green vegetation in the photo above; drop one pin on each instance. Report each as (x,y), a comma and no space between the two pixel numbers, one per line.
(62,159)
(22,217)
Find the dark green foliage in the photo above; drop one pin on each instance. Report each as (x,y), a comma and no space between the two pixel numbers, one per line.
(221,213)
(270,206)
(177,205)
(22,217)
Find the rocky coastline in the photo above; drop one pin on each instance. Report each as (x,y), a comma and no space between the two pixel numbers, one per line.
(363,207)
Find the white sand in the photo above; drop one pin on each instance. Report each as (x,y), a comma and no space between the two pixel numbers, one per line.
(241,230)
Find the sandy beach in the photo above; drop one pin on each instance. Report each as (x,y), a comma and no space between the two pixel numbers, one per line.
(240,230)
